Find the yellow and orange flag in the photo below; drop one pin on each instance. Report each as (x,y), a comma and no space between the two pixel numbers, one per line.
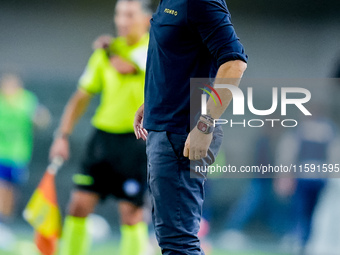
(42,211)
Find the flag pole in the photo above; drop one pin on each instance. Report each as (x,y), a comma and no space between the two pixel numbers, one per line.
(55,165)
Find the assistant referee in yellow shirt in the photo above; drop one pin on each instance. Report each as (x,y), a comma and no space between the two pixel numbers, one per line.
(114,162)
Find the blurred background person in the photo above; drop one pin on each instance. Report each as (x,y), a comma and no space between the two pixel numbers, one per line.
(324,237)
(310,143)
(114,162)
(20,111)
(259,199)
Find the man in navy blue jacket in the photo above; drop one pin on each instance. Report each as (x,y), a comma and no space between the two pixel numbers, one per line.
(188,38)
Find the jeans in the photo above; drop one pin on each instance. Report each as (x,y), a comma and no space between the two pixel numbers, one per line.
(176,197)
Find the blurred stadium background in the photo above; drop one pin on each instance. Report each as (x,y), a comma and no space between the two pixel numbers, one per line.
(48,43)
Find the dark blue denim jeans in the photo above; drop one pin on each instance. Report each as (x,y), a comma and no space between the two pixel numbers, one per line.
(176,196)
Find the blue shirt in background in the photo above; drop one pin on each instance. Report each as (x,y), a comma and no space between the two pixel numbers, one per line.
(188,39)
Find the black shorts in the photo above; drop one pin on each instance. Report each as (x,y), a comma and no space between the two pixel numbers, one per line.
(114,164)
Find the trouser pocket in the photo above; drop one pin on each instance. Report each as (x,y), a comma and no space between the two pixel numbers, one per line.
(177,142)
